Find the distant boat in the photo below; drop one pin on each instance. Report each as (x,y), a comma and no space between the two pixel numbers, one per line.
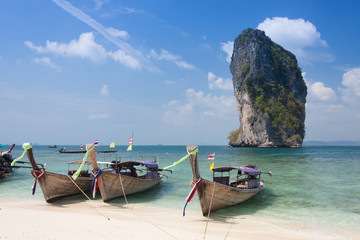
(124,177)
(63,150)
(221,192)
(52,146)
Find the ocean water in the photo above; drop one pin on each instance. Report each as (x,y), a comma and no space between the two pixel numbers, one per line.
(310,185)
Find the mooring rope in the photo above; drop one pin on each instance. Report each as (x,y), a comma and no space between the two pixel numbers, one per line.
(208,217)
(132,211)
(232,223)
(122,186)
(96,207)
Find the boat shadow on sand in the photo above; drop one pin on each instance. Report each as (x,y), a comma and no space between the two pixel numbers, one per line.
(147,196)
(150,195)
(261,201)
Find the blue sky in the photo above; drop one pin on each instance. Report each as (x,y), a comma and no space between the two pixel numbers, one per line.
(75,71)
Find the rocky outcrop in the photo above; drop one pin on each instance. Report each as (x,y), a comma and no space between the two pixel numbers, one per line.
(270,93)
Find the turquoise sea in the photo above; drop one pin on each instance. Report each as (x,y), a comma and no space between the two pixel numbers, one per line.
(310,185)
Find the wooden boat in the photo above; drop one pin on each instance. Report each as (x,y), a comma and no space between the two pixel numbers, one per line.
(5,161)
(52,146)
(125,177)
(56,186)
(221,193)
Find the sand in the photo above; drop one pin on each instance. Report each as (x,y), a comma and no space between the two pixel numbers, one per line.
(36,219)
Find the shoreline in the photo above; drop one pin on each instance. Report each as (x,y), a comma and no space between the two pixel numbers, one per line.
(36,219)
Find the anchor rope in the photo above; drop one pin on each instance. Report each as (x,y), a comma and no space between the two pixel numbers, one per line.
(133,212)
(96,207)
(208,217)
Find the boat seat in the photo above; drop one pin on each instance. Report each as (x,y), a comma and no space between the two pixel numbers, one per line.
(222,180)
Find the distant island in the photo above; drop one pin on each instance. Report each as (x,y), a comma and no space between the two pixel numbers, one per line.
(270,93)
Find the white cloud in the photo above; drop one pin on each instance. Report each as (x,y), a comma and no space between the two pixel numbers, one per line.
(98,4)
(184,64)
(45,61)
(321,92)
(198,107)
(105,90)
(118,33)
(85,47)
(292,32)
(122,57)
(214,82)
(126,48)
(296,35)
(98,116)
(128,10)
(228,49)
(318,91)
(351,82)
(329,118)
(165,55)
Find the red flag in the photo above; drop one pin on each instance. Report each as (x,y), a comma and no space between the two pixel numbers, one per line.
(211,157)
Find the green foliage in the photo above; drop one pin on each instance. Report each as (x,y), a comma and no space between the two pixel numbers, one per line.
(271,82)
(245,70)
(233,135)
(275,96)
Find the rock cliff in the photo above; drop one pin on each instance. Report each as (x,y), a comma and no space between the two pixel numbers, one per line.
(270,93)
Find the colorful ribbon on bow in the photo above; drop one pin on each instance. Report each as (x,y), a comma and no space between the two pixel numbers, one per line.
(77,173)
(36,178)
(25,146)
(191,193)
(95,184)
(182,159)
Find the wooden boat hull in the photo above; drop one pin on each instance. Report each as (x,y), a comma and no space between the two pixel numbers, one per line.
(56,186)
(213,195)
(110,185)
(222,196)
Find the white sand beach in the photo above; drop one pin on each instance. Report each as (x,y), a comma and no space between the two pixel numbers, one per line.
(36,219)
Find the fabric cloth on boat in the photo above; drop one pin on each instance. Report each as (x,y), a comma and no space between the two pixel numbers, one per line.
(247,170)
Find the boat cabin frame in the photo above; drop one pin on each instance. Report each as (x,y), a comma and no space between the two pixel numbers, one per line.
(246,177)
(139,169)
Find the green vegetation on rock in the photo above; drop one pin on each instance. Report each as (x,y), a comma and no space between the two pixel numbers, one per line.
(272,78)
(233,135)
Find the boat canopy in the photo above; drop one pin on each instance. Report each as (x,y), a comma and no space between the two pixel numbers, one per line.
(139,163)
(247,170)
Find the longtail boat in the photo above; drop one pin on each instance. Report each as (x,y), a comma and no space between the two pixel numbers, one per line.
(221,192)
(56,186)
(5,161)
(123,177)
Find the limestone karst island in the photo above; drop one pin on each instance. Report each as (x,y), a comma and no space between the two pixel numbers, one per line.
(270,93)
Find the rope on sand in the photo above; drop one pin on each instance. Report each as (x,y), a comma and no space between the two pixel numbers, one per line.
(122,187)
(208,217)
(133,212)
(96,207)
